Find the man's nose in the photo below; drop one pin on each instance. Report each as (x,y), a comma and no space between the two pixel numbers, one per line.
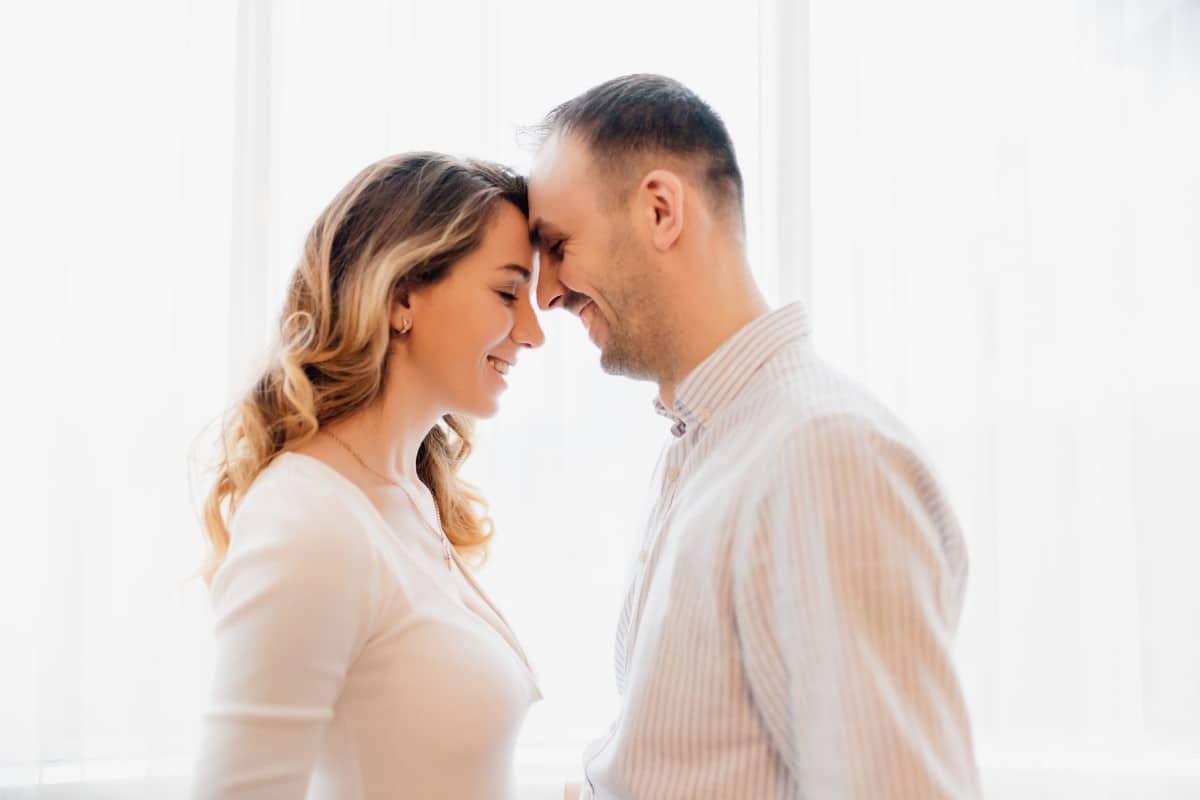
(550,289)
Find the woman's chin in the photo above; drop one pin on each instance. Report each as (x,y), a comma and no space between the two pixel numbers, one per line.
(482,400)
(484,407)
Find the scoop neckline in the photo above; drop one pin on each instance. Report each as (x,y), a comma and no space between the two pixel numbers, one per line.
(509,638)
(350,485)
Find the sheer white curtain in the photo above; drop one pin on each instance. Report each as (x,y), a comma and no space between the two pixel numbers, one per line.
(115,168)
(992,207)
(1006,198)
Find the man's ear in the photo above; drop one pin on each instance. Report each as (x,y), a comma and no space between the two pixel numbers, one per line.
(660,196)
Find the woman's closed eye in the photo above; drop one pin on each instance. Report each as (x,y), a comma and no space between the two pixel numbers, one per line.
(509,297)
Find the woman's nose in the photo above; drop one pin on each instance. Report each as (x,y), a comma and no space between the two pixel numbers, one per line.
(527,331)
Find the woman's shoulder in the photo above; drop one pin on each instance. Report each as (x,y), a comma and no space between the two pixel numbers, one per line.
(302,499)
(298,483)
(298,524)
(299,549)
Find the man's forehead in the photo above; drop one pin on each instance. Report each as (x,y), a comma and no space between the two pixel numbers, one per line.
(560,158)
(552,182)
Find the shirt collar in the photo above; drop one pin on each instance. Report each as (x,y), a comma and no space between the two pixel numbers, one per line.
(710,386)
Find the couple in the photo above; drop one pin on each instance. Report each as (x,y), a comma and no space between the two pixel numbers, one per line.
(787,631)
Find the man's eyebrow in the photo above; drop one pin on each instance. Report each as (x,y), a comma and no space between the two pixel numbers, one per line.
(524,274)
(540,231)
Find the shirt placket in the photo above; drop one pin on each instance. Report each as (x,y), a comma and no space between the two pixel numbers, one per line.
(647,557)
(652,546)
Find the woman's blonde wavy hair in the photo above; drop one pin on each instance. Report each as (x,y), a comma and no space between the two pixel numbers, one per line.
(399,224)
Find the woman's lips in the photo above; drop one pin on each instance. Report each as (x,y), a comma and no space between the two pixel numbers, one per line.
(499,365)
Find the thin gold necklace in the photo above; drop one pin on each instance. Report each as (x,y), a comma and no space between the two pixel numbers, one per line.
(440,534)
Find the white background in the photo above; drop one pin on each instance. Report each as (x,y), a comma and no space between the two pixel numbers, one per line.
(992,209)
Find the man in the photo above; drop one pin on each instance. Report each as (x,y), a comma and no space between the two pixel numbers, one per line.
(787,632)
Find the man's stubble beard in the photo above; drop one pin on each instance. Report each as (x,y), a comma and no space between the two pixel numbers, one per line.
(640,346)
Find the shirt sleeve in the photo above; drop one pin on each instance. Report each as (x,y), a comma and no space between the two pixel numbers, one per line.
(845,606)
(292,606)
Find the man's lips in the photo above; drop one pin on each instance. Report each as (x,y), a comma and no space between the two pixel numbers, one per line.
(575,302)
(589,316)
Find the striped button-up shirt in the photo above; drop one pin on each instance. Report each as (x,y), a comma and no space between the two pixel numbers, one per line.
(788,628)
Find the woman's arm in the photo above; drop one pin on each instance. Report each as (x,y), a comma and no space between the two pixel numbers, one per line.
(292,606)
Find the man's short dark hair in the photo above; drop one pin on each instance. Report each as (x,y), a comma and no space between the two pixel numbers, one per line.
(637,115)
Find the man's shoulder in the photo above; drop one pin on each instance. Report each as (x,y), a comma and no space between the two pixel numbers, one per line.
(800,393)
(802,407)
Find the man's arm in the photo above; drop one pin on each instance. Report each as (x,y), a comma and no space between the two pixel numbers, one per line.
(845,605)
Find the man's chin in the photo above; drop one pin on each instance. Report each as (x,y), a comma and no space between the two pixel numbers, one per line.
(616,361)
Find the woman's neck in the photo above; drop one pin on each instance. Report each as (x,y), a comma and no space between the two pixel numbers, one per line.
(388,434)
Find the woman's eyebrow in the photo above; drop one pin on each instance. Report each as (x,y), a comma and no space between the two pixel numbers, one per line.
(522,273)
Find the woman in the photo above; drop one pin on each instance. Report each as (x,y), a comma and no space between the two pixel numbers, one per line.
(356,655)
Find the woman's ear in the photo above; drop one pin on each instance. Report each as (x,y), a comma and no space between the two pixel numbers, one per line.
(401,317)
(661,198)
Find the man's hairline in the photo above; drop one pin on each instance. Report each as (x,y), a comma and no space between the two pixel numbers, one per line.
(730,207)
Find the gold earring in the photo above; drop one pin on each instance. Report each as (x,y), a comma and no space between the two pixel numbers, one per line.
(405,325)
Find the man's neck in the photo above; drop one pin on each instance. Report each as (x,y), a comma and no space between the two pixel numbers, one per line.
(706,323)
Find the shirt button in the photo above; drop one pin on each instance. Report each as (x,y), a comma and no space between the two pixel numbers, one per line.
(673,474)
